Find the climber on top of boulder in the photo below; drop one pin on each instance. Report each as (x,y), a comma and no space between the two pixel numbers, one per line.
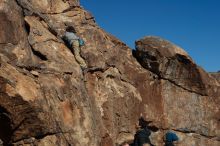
(75,43)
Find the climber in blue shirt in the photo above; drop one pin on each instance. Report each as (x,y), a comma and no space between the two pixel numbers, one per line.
(75,43)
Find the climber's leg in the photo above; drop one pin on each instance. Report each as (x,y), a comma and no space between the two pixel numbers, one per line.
(76,50)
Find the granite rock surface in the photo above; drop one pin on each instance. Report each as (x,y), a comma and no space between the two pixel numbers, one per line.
(47,100)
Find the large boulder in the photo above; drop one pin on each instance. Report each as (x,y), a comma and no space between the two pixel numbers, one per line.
(187,90)
(172,63)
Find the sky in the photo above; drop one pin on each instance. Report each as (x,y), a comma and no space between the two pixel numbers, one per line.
(194,25)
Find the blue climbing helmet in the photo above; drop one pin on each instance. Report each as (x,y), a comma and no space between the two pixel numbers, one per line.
(171,136)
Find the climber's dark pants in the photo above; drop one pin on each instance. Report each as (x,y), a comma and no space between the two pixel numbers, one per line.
(143,140)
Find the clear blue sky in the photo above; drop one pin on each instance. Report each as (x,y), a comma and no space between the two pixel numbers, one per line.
(192,24)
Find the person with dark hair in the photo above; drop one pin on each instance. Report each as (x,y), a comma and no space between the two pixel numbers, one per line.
(75,43)
(70,29)
(142,135)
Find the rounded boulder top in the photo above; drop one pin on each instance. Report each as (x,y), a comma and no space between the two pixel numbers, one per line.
(164,47)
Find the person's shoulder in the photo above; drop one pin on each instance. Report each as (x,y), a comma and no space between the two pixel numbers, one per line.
(69,33)
(141,130)
(138,132)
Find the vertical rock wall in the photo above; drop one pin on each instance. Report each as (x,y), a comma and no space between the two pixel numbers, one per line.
(46,99)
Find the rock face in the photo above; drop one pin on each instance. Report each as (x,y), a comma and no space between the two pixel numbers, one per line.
(187,90)
(172,63)
(46,99)
(216,75)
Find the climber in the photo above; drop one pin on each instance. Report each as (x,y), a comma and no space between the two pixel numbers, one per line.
(170,138)
(142,135)
(75,43)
